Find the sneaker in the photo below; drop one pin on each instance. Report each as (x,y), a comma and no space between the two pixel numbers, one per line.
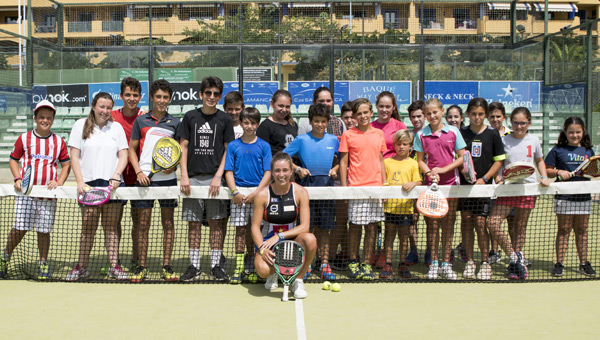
(485,272)
(248,264)
(381,260)
(339,262)
(77,273)
(117,273)
(44,271)
(387,272)
(447,273)
(141,273)
(237,276)
(191,274)
(308,272)
(272,282)
(526,263)
(469,272)
(355,270)
(3,267)
(461,251)
(403,271)
(433,271)
(586,269)
(298,289)
(517,270)
(495,256)
(367,272)
(326,273)
(428,258)
(412,258)
(217,273)
(168,275)
(558,269)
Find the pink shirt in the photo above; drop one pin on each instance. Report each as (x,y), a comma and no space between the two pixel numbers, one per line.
(440,150)
(363,148)
(388,132)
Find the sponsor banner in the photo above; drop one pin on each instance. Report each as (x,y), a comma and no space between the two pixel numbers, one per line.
(256,74)
(564,98)
(512,94)
(186,93)
(62,95)
(255,92)
(302,91)
(370,90)
(452,92)
(114,89)
(139,74)
(175,74)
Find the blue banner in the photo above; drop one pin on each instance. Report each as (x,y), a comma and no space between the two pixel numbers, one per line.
(370,90)
(114,89)
(452,92)
(512,94)
(255,92)
(302,91)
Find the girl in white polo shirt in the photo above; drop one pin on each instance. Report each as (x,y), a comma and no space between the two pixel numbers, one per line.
(99,156)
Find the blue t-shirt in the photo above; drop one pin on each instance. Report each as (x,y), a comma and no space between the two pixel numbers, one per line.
(248,161)
(315,154)
(569,158)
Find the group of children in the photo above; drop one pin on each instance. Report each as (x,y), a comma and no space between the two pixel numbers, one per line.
(233,148)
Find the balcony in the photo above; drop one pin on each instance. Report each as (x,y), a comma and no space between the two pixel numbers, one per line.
(112,26)
(79,26)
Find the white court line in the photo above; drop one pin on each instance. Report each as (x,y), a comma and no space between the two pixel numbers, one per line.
(300,327)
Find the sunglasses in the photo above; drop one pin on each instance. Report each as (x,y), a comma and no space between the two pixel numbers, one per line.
(210,93)
(519,123)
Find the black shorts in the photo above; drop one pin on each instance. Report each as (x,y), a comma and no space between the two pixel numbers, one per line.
(398,219)
(167,203)
(478,206)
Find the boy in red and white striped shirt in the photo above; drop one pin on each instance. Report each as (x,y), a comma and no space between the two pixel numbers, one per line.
(41,149)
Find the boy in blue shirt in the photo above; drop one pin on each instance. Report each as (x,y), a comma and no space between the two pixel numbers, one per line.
(247,165)
(317,151)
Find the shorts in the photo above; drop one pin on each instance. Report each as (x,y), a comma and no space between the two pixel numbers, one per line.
(322,214)
(566,207)
(145,204)
(34,213)
(522,202)
(478,206)
(399,219)
(241,215)
(365,211)
(101,183)
(193,208)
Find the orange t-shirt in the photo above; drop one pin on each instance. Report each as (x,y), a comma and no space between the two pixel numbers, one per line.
(363,148)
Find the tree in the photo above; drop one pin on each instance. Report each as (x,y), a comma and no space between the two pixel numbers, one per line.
(3,62)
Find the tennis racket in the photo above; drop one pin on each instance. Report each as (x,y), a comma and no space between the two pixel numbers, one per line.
(432,203)
(589,168)
(469,167)
(94,196)
(27,183)
(517,171)
(289,259)
(166,154)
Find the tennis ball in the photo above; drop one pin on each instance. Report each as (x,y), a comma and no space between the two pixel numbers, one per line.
(336,287)
(326,285)
(87,188)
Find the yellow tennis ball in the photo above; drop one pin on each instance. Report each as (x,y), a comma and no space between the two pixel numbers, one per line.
(326,285)
(336,287)
(87,188)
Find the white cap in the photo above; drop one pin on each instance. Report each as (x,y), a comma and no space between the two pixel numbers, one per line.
(44,103)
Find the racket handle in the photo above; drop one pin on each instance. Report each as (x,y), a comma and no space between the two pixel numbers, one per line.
(151,175)
(286,289)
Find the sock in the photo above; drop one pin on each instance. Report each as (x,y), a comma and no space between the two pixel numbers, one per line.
(195,258)
(434,263)
(444,264)
(239,260)
(215,256)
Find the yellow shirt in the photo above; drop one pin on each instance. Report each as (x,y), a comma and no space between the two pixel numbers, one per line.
(397,173)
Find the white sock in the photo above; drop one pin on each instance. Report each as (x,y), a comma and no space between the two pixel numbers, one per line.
(215,256)
(195,257)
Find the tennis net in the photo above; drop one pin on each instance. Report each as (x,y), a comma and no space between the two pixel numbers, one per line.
(536,238)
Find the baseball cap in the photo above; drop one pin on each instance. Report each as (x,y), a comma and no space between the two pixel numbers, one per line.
(44,103)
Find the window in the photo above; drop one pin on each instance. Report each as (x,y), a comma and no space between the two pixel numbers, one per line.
(429,18)
(117,16)
(462,18)
(391,19)
(85,16)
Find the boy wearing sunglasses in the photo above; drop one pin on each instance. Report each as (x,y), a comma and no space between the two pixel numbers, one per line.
(204,134)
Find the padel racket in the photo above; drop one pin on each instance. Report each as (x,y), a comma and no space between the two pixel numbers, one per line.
(469,167)
(289,259)
(27,183)
(166,154)
(94,196)
(589,168)
(432,203)
(517,171)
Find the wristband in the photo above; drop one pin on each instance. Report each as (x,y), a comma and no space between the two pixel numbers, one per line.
(281,236)
(219,177)
(235,193)
(485,179)
(543,176)
(427,172)
(137,173)
(18,179)
(114,179)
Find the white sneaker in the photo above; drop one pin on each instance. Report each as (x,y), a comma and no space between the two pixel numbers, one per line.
(433,271)
(447,273)
(117,273)
(469,272)
(77,273)
(298,289)
(271,283)
(485,272)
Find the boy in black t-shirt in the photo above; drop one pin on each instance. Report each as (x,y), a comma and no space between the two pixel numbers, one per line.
(205,133)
